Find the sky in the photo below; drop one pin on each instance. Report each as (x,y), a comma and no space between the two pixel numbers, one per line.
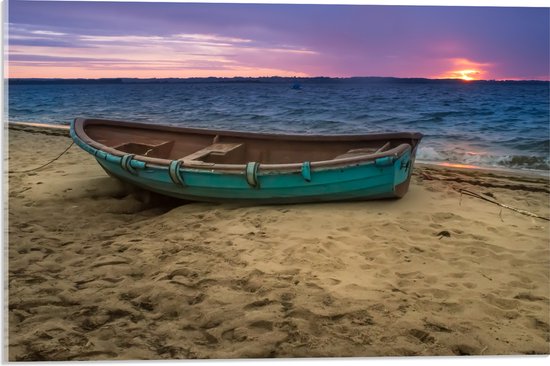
(148,40)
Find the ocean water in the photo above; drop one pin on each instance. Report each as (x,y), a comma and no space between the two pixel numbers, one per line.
(486,124)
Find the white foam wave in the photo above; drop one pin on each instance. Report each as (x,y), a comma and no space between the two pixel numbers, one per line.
(430,154)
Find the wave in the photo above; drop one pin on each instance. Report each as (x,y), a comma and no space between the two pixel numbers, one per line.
(483,160)
(529,144)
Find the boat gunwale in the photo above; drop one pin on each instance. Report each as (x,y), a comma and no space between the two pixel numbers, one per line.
(79,125)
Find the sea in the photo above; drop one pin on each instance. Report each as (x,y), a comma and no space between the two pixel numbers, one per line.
(489,124)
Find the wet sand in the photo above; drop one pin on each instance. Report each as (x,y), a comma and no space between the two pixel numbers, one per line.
(95,274)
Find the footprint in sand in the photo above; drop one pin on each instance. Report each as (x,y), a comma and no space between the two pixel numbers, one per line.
(235,335)
(422,336)
(436,327)
(92,354)
(263,325)
(258,304)
(530,297)
(464,350)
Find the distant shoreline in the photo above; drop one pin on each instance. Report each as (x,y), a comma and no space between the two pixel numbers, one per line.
(269,79)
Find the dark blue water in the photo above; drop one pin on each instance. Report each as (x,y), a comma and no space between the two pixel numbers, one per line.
(501,124)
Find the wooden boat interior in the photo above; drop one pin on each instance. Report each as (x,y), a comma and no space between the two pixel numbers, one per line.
(236,148)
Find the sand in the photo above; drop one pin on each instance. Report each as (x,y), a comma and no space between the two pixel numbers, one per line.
(95,274)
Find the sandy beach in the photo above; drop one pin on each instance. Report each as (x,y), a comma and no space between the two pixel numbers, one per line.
(95,274)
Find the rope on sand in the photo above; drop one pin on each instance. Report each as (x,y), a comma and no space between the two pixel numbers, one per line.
(523,212)
(44,165)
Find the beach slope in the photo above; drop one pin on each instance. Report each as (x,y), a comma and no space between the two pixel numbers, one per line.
(96,274)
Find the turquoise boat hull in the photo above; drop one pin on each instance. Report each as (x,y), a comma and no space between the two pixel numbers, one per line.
(383,177)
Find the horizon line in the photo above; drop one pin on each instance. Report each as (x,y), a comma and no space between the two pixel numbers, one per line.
(276,76)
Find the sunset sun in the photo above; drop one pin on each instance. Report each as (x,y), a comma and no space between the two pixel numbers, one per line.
(465,69)
(467,74)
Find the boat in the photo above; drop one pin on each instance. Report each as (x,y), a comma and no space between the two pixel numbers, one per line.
(259,168)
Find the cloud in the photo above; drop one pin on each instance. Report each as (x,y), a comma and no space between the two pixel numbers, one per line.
(29,35)
(48,33)
(210,38)
(32,48)
(47,58)
(40,42)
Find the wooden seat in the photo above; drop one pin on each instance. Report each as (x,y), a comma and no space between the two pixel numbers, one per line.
(217,149)
(356,152)
(364,151)
(154,149)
